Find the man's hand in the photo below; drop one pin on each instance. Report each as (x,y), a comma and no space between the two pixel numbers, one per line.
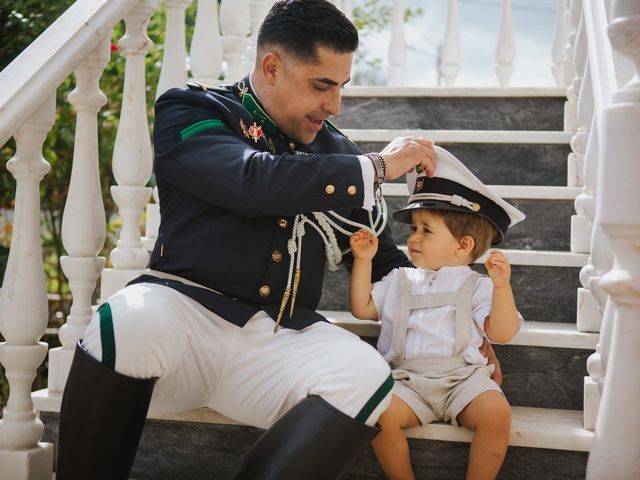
(405,153)
(364,244)
(487,350)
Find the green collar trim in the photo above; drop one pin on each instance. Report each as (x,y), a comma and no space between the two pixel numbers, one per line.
(253,107)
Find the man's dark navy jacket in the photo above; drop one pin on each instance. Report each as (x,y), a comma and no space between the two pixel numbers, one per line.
(230,184)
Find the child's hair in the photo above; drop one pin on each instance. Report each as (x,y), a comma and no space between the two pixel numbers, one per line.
(477,227)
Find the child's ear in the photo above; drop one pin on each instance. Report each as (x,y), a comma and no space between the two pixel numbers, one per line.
(467,243)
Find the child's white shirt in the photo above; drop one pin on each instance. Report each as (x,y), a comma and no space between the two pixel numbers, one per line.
(431,331)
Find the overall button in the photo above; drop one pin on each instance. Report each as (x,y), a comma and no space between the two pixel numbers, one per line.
(276,256)
(292,146)
(282,222)
(265,291)
(329,189)
(352,190)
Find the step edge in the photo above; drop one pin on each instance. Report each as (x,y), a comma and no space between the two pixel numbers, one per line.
(522,192)
(525,433)
(354,91)
(462,136)
(533,333)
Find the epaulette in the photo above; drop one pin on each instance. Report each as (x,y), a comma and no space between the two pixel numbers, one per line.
(201,87)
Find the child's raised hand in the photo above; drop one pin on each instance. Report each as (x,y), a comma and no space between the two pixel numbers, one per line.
(498,268)
(364,244)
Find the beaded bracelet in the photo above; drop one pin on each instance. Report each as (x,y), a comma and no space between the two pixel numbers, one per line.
(380,166)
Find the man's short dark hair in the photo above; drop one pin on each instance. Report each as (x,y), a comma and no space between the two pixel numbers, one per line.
(300,26)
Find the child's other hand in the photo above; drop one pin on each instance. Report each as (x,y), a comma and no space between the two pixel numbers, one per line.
(364,244)
(498,268)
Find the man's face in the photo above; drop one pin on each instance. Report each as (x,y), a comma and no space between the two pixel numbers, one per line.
(304,95)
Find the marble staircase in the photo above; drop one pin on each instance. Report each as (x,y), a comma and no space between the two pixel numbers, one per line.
(513,139)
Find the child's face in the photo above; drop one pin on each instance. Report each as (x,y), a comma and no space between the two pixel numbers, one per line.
(431,245)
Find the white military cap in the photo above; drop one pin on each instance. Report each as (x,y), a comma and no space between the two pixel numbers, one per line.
(454,187)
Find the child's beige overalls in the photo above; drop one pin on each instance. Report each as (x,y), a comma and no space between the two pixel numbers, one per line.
(437,388)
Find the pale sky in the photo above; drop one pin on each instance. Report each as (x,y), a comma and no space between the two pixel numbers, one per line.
(479,22)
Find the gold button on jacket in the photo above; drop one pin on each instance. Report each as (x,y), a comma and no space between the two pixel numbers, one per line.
(352,190)
(265,291)
(329,189)
(282,222)
(276,256)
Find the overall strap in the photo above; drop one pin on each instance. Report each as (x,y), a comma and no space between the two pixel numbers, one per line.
(463,303)
(406,301)
(401,314)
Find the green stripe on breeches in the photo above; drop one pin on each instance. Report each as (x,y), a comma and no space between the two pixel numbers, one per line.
(375,400)
(199,126)
(107,336)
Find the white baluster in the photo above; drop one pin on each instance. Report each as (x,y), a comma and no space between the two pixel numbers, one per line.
(83,223)
(132,161)
(449,54)
(397,45)
(615,452)
(561,38)
(347,9)
(174,67)
(258,9)
(584,102)
(206,45)
(235,28)
(570,106)
(24,309)
(506,50)
(152,224)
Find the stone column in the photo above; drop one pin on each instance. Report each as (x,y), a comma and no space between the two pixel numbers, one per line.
(24,309)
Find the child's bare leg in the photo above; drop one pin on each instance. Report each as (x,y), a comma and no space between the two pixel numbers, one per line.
(489,415)
(390,445)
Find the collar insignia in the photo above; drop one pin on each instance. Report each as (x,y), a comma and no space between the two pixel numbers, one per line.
(254,131)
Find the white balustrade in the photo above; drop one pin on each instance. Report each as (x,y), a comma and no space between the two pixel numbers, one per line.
(258,9)
(615,452)
(449,54)
(132,158)
(506,49)
(23,307)
(83,223)
(397,45)
(174,67)
(561,38)
(235,27)
(206,44)
(594,312)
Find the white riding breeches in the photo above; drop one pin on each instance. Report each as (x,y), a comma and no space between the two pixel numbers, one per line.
(248,374)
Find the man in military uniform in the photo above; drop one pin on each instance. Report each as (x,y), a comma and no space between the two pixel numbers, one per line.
(258,191)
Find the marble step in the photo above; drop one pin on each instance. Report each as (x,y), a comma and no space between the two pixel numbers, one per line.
(460,136)
(543,365)
(532,334)
(452,109)
(535,287)
(547,226)
(203,444)
(506,163)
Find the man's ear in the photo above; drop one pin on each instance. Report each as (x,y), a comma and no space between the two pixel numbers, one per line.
(271,67)
(466,245)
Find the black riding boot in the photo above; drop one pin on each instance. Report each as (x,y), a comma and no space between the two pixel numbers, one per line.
(313,441)
(101,420)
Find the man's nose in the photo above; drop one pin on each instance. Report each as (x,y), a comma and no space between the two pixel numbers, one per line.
(332,102)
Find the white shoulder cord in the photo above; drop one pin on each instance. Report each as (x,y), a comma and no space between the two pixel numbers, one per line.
(325,227)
